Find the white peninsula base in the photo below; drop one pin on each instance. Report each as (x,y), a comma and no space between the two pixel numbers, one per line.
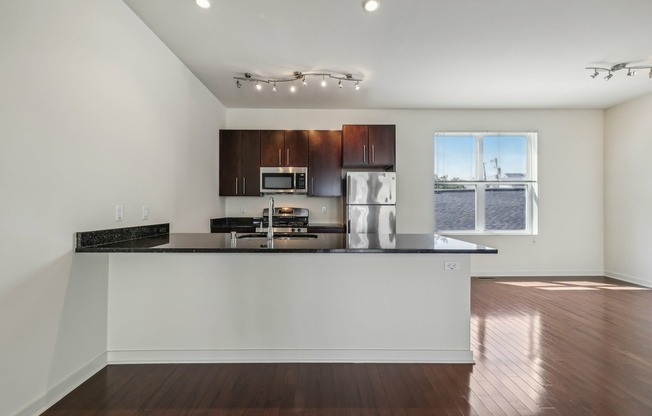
(288,307)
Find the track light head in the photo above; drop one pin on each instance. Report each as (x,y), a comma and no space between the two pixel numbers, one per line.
(204,4)
(631,72)
(238,84)
(274,87)
(357,86)
(595,74)
(258,86)
(339,84)
(305,84)
(323,81)
(608,76)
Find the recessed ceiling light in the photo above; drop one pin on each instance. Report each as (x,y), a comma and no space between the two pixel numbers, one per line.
(370,5)
(204,4)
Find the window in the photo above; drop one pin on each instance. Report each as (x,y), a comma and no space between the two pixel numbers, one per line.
(485,183)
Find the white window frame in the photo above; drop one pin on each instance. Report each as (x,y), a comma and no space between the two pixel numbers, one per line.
(530,182)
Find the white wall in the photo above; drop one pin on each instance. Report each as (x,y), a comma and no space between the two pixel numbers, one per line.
(94,111)
(628,199)
(570,240)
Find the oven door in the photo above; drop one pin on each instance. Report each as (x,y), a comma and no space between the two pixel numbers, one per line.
(283,180)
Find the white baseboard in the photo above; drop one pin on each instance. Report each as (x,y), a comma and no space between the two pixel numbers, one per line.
(58,391)
(537,273)
(290,356)
(627,278)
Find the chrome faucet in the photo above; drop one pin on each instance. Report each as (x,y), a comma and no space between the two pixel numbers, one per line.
(270,213)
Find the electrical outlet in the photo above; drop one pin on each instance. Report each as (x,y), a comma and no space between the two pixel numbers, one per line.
(451,265)
(145,212)
(119,213)
(323,210)
(242,210)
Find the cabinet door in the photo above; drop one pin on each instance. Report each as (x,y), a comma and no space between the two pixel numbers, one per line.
(296,148)
(325,169)
(272,148)
(355,144)
(230,156)
(250,163)
(382,144)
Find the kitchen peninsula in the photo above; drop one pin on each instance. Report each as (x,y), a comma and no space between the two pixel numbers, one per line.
(327,297)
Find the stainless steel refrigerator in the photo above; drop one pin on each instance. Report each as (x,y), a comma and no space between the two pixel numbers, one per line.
(371,202)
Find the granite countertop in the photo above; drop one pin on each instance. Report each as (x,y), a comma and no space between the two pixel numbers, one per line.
(155,239)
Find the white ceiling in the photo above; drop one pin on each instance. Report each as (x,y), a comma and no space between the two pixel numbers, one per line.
(412,54)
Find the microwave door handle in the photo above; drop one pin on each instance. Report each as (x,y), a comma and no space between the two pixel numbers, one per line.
(279,157)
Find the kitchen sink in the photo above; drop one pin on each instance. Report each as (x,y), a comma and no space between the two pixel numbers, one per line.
(279,236)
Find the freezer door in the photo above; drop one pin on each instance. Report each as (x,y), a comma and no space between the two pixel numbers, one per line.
(368,188)
(371,219)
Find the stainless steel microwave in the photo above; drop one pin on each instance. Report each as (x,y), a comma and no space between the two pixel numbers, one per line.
(284,180)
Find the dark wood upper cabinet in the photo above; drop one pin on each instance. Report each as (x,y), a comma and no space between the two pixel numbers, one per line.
(250,162)
(239,163)
(325,157)
(382,145)
(272,145)
(369,146)
(296,147)
(284,148)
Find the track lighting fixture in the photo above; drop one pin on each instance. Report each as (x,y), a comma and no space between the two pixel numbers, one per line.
(631,70)
(299,76)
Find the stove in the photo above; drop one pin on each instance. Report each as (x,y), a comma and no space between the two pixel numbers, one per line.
(286,220)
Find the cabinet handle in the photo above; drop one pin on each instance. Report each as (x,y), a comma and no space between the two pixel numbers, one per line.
(364,153)
(287,157)
(236,185)
(244,185)
(373,154)
(279,157)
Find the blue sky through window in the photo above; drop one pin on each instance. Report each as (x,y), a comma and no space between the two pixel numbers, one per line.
(504,157)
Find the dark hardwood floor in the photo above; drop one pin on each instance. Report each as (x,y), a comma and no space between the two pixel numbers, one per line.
(542,347)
